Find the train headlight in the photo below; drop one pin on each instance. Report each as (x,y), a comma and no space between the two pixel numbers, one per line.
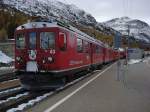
(18,58)
(50,59)
(47,60)
(43,61)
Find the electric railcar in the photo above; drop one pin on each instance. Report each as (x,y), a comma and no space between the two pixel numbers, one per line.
(48,53)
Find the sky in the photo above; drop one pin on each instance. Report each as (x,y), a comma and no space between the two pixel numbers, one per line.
(104,10)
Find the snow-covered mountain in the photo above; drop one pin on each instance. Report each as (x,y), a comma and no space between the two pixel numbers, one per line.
(51,8)
(137,29)
(140,30)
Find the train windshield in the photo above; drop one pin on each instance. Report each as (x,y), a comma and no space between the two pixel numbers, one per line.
(20,41)
(47,40)
(32,40)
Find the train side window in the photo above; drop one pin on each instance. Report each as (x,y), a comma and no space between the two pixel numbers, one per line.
(94,48)
(79,45)
(86,47)
(97,49)
(62,41)
(20,41)
(71,40)
(47,40)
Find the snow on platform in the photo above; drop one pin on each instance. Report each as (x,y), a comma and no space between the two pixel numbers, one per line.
(134,61)
(5,59)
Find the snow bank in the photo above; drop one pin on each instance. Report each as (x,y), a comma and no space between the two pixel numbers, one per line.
(30,103)
(133,61)
(147,60)
(121,49)
(6,68)
(4,58)
(13,98)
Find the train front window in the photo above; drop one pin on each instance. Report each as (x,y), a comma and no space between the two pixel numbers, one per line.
(47,40)
(32,40)
(20,41)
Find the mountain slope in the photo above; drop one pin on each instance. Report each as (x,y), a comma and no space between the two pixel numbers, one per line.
(77,17)
(137,29)
(52,8)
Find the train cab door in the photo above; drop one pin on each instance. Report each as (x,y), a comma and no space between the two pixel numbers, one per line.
(31,64)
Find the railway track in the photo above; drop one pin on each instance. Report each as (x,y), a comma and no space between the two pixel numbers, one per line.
(18,99)
(8,81)
(11,98)
(5,85)
(10,92)
(7,76)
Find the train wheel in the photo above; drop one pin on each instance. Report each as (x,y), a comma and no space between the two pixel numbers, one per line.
(99,67)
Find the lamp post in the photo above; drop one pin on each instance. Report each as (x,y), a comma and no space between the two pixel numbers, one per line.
(128,36)
(128,44)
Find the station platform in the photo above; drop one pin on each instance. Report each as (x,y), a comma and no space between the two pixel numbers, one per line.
(105,92)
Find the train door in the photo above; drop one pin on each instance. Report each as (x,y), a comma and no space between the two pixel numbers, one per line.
(31,64)
(63,50)
(91,53)
(104,54)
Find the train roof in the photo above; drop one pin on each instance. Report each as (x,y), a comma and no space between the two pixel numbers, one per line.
(41,24)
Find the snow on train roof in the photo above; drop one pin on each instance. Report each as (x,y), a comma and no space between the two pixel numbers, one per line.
(31,25)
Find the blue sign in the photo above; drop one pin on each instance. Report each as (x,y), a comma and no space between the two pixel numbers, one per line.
(117,40)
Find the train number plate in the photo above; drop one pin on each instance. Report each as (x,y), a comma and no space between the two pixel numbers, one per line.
(31,66)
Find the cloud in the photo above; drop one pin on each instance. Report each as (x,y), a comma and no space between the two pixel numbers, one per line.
(107,9)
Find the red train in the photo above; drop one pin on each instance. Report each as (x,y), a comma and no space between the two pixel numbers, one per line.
(47,54)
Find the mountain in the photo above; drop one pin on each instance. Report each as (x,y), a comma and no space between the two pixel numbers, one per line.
(76,16)
(137,29)
(50,8)
(54,9)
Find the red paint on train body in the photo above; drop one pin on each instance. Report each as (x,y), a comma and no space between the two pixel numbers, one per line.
(51,50)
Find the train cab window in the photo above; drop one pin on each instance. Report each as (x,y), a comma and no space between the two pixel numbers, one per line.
(97,49)
(47,40)
(79,45)
(62,41)
(20,41)
(32,40)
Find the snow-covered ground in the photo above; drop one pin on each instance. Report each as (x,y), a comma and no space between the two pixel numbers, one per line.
(6,68)
(145,60)
(13,98)
(30,103)
(5,59)
(9,90)
(134,61)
